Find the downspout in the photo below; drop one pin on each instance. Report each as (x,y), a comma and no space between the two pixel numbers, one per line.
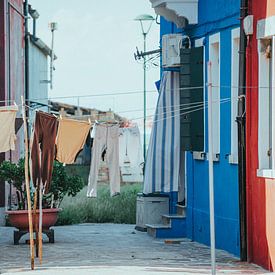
(241,120)
(34,28)
(26,14)
(9,86)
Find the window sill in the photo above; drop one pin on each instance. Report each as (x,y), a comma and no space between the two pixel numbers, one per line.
(216,157)
(233,159)
(199,155)
(204,156)
(266,173)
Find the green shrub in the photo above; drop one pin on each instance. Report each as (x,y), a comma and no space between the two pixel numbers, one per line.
(62,183)
(103,209)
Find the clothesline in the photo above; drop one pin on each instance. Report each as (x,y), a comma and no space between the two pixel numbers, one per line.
(184,113)
(163,107)
(198,104)
(176,108)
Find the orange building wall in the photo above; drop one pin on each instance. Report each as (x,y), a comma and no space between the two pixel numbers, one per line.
(270,11)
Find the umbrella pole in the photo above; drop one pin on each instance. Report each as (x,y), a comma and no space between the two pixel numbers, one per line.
(27,182)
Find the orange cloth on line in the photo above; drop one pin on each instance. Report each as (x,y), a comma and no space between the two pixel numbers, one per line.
(71,137)
(7,128)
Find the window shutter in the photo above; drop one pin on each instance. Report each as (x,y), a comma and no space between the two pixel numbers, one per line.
(192,119)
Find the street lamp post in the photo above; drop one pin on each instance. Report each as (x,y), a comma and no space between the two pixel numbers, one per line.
(146,21)
(53,27)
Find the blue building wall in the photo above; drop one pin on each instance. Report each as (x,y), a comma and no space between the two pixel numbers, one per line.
(215,16)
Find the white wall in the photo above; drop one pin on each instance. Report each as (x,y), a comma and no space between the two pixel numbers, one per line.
(38,72)
(214,57)
(235,40)
(264,109)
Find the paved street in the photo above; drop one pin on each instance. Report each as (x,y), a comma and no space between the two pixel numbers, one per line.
(114,249)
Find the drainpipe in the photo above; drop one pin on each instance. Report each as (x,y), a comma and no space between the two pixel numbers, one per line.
(34,28)
(241,120)
(26,14)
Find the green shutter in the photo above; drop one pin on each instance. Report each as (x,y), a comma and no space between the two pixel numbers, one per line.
(192,122)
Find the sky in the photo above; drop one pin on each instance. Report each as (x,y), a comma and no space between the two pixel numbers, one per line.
(95,45)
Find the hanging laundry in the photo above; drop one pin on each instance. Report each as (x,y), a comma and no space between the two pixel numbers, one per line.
(130,154)
(43,149)
(71,138)
(106,137)
(7,128)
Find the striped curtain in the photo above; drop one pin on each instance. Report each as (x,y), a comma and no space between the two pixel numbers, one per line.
(163,156)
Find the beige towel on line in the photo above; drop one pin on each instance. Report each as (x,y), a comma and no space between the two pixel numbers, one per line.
(71,137)
(7,128)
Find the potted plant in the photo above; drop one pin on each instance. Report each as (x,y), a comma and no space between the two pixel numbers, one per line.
(62,184)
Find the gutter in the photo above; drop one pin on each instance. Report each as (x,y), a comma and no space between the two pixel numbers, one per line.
(241,120)
(42,46)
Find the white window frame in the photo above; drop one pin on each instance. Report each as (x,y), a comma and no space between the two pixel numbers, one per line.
(235,39)
(213,40)
(200,155)
(266,164)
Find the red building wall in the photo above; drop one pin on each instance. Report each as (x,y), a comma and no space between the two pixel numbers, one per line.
(11,62)
(260,191)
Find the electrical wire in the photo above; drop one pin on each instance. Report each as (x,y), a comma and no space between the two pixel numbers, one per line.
(139,92)
(103,94)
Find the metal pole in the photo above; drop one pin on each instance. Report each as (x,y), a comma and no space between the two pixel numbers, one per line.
(211,174)
(78,107)
(27,80)
(51,66)
(144,98)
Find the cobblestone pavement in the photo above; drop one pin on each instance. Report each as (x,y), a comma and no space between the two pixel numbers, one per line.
(115,249)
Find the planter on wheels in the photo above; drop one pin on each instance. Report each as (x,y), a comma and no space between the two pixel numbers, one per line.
(19,219)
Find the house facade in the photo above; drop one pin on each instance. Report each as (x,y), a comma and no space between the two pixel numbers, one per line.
(20,72)
(260,113)
(210,31)
(11,71)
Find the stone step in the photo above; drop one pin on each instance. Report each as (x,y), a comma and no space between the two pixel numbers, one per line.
(164,231)
(169,219)
(153,229)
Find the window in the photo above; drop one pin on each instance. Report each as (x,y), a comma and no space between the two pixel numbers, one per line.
(235,41)
(266,128)
(214,57)
(201,155)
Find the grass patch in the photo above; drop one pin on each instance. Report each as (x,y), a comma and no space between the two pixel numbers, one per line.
(103,209)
